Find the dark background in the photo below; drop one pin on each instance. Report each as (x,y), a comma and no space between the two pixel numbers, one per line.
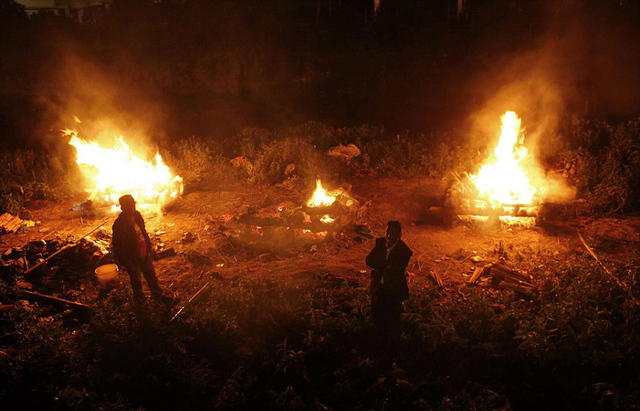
(209,68)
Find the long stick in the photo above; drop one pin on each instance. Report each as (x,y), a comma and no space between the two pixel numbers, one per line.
(620,283)
(192,299)
(64,248)
(54,300)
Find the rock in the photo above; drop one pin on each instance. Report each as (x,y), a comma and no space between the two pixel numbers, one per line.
(289,169)
(344,153)
(188,237)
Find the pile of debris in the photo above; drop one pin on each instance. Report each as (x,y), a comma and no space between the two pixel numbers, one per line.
(54,272)
(505,278)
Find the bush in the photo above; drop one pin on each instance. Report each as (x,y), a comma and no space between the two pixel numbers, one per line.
(606,164)
(27,175)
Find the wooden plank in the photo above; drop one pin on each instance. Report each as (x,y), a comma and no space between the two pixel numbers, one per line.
(4,217)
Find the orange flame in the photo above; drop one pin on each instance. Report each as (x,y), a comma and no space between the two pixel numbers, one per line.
(504,181)
(118,171)
(320,198)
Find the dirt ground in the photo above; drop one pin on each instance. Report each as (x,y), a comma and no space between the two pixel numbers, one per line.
(451,251)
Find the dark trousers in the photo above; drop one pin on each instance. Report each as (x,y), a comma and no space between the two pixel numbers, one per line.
(146,269)
(385,313)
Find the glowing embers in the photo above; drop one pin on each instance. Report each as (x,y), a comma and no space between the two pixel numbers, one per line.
(290,225)
(117,171)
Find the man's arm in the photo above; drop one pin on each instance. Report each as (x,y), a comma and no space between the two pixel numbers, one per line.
(374,259)
(143,229)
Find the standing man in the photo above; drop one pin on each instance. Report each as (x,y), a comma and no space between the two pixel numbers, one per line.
(388,260)
(133,250)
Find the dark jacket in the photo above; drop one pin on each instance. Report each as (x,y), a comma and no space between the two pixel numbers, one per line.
(126,248)
(391,271)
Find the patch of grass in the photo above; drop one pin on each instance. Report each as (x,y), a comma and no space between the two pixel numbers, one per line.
(274,345)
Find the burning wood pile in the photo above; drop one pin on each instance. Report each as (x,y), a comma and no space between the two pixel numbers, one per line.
(326,212)
(503,188)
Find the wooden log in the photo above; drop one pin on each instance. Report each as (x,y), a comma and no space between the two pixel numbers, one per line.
(509,272)
(59,302)
(523,212)
(334,209)
(480,271)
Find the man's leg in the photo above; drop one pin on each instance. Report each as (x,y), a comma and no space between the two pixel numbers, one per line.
(136,283)
(150,276)
(394,314)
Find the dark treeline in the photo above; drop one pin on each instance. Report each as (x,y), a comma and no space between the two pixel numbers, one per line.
(210,68)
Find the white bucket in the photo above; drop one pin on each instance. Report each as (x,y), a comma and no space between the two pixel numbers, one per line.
(107,273)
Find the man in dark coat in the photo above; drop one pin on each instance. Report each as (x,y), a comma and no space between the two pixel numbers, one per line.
(388,260)
(133,250)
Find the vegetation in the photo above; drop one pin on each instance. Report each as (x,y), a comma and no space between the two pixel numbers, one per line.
(282,345)
(601,160)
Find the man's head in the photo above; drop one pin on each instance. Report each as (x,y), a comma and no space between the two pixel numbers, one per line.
(127,204)
(394,232)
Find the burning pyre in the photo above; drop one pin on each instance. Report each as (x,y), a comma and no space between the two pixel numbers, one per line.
(117,171)
(503,188)
(325,212)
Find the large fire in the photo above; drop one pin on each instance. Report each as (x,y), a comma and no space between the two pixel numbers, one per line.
(117,171)
(503,181)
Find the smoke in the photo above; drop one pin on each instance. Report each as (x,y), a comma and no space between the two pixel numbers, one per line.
(582,61)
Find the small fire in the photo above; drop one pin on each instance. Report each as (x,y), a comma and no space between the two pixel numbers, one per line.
(320,198)
(503,181)
(117,171)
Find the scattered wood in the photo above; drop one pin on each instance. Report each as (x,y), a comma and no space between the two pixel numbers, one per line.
(436,278)
(479,272)
(192,300)
(505,278)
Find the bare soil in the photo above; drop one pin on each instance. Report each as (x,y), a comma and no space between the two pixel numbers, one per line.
(452,251)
